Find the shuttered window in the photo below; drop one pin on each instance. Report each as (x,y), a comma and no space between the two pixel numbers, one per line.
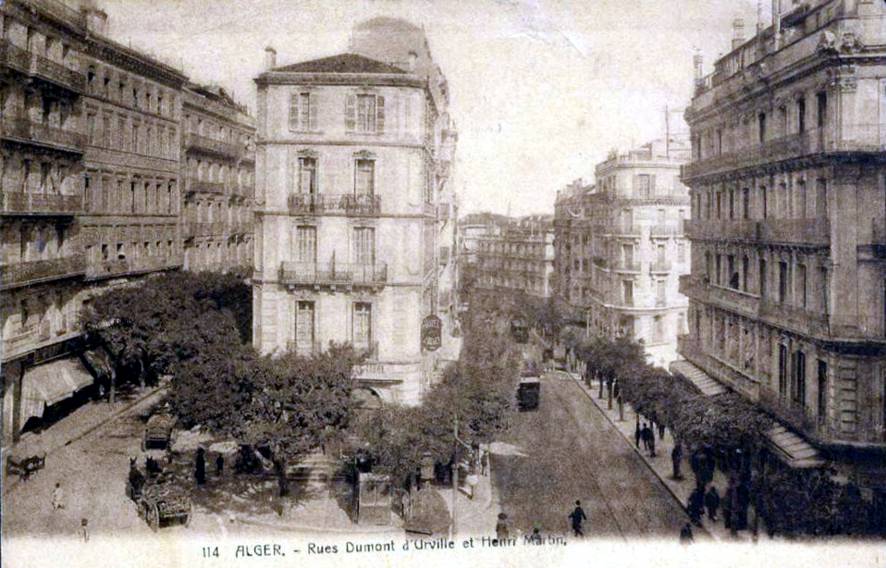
(306,244)
(303,112)
(307,175)
(364,245)
(304,328)
(364,177)
(362,325)
(365,113)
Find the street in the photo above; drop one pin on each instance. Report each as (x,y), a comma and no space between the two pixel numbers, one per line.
(568,451)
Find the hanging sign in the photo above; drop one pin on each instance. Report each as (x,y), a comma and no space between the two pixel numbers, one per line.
(431,333)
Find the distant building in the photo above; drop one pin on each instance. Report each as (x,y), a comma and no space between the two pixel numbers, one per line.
(788,286)
(353,209)
(218,173)
(517,256)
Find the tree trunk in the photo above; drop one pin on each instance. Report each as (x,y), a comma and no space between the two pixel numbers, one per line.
(282,481)
(600,380)
(609,386)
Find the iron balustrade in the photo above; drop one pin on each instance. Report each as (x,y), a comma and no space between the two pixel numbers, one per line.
(27,203)
(324,203)
(25,130)
(29,272)
(333,273)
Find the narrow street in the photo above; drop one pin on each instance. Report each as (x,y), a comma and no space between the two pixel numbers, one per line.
(567,450)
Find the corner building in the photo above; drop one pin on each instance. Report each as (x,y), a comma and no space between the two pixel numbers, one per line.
(348,155)
(788,286)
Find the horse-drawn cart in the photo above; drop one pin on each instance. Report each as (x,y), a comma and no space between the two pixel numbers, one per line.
(160,500)
(25,467)
(158,431)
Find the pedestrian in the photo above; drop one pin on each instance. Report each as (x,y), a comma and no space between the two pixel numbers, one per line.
(484,463)
(577,516)
(536,536)
(219,465)
(647,435)
(661,430)
(726,504)
(651,443)
(712,502)
(676,459)
(686,534)
(696,506)
(58,497)
(84,530)
(200,467)
(638,434)
(501,527)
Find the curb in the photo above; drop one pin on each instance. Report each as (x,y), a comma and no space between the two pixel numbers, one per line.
(637,451)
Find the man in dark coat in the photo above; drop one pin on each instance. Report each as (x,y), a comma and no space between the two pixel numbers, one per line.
(686,534)
(219,465)
(577,516)
(676,459)
(638,433)
(651,443)
(200,469)
(712,502)
(696,506)
(661,430)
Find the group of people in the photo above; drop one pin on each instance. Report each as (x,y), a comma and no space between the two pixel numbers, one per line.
(200,466)
(576,518)
(58,503)
(646,434)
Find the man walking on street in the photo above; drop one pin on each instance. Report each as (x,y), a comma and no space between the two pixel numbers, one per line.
(676,459)
(484,463)
(58,497)
(712,502)
(638,433)
(661,430)
(501,527)
(651,443)
(578,517)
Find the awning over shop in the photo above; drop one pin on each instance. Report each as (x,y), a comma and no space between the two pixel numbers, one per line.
(51,383)
(99,362)
(792,449)
(701,380)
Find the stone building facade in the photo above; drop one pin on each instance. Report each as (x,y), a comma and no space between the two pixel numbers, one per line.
(788,285)
(218,172)
(352,157)
(90,191)
(517,256)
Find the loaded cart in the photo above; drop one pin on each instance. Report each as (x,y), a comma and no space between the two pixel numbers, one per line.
(158,431)
(161,501)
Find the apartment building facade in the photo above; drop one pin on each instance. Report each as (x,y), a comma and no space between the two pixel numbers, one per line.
(218,173)
(572,262)
(788,285)
(517,256)
(90,181)
(348,237)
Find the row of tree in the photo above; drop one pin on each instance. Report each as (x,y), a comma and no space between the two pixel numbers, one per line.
(196,328)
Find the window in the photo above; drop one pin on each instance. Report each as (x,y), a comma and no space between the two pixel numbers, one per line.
(362,332)
(303,112)
(660,292)
(106,131)
(364,245)
(762,276)
(825,291)
(764,194)
(719,270)
(628,291)
(801,284)
(733,274)
(90,128)
(658,329)
(782,370)
(746,203)
(307,175)
(306,244)
(761,127)
(799,394)
(745,268)
(365,113)
(801,115)
(822,405)
(731,204)
(681,252)
(644,186)
(821,199)
(364,177)
(782,281)
(304,328)
(822,100)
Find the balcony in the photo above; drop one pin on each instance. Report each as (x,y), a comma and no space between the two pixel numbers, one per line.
(198,142)
(241,227)
(719,230)
(32,272)
(666,230)
(795,318)
(25,131)
(826,140)
(40,67)
(627,266)
(661,266)
(797,415)
(796,231)
(61,12)
(202,229)
(333,274)
(305,348)
(26,203)
(216,188)
(131,266)
(330,204)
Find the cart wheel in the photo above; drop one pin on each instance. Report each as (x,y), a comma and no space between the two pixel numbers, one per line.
(153,517)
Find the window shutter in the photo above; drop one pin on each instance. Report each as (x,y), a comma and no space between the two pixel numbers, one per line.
(293,111)
(350,113)
(380,114)
(313,115)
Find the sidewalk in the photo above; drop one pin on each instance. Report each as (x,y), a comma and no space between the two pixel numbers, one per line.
(661,464)
(478,515)
(81,422)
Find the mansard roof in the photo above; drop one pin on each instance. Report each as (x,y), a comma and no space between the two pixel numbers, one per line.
(343,63)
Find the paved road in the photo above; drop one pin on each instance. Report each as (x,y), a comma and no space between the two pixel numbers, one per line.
(572,452)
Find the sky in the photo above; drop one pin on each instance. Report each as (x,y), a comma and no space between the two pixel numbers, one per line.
(541,90)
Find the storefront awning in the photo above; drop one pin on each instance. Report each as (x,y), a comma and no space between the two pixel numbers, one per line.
(701,380)
(792,449)
(51,383)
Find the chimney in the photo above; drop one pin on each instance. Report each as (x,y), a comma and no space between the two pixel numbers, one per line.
(737,32)
(96,18)
(698,62)
(270,58)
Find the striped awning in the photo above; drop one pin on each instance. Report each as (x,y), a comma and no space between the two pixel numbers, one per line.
(701,380)
(50,383)
(792,449)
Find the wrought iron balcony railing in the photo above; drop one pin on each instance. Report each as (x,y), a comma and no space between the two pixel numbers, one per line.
(324,204)
(27,203)
(27,131)
(333,273)
(217,188)
(122,267)
(26,273)
(194,141)
(40,67)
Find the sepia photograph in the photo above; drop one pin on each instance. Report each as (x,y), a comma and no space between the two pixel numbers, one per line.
(443,282)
